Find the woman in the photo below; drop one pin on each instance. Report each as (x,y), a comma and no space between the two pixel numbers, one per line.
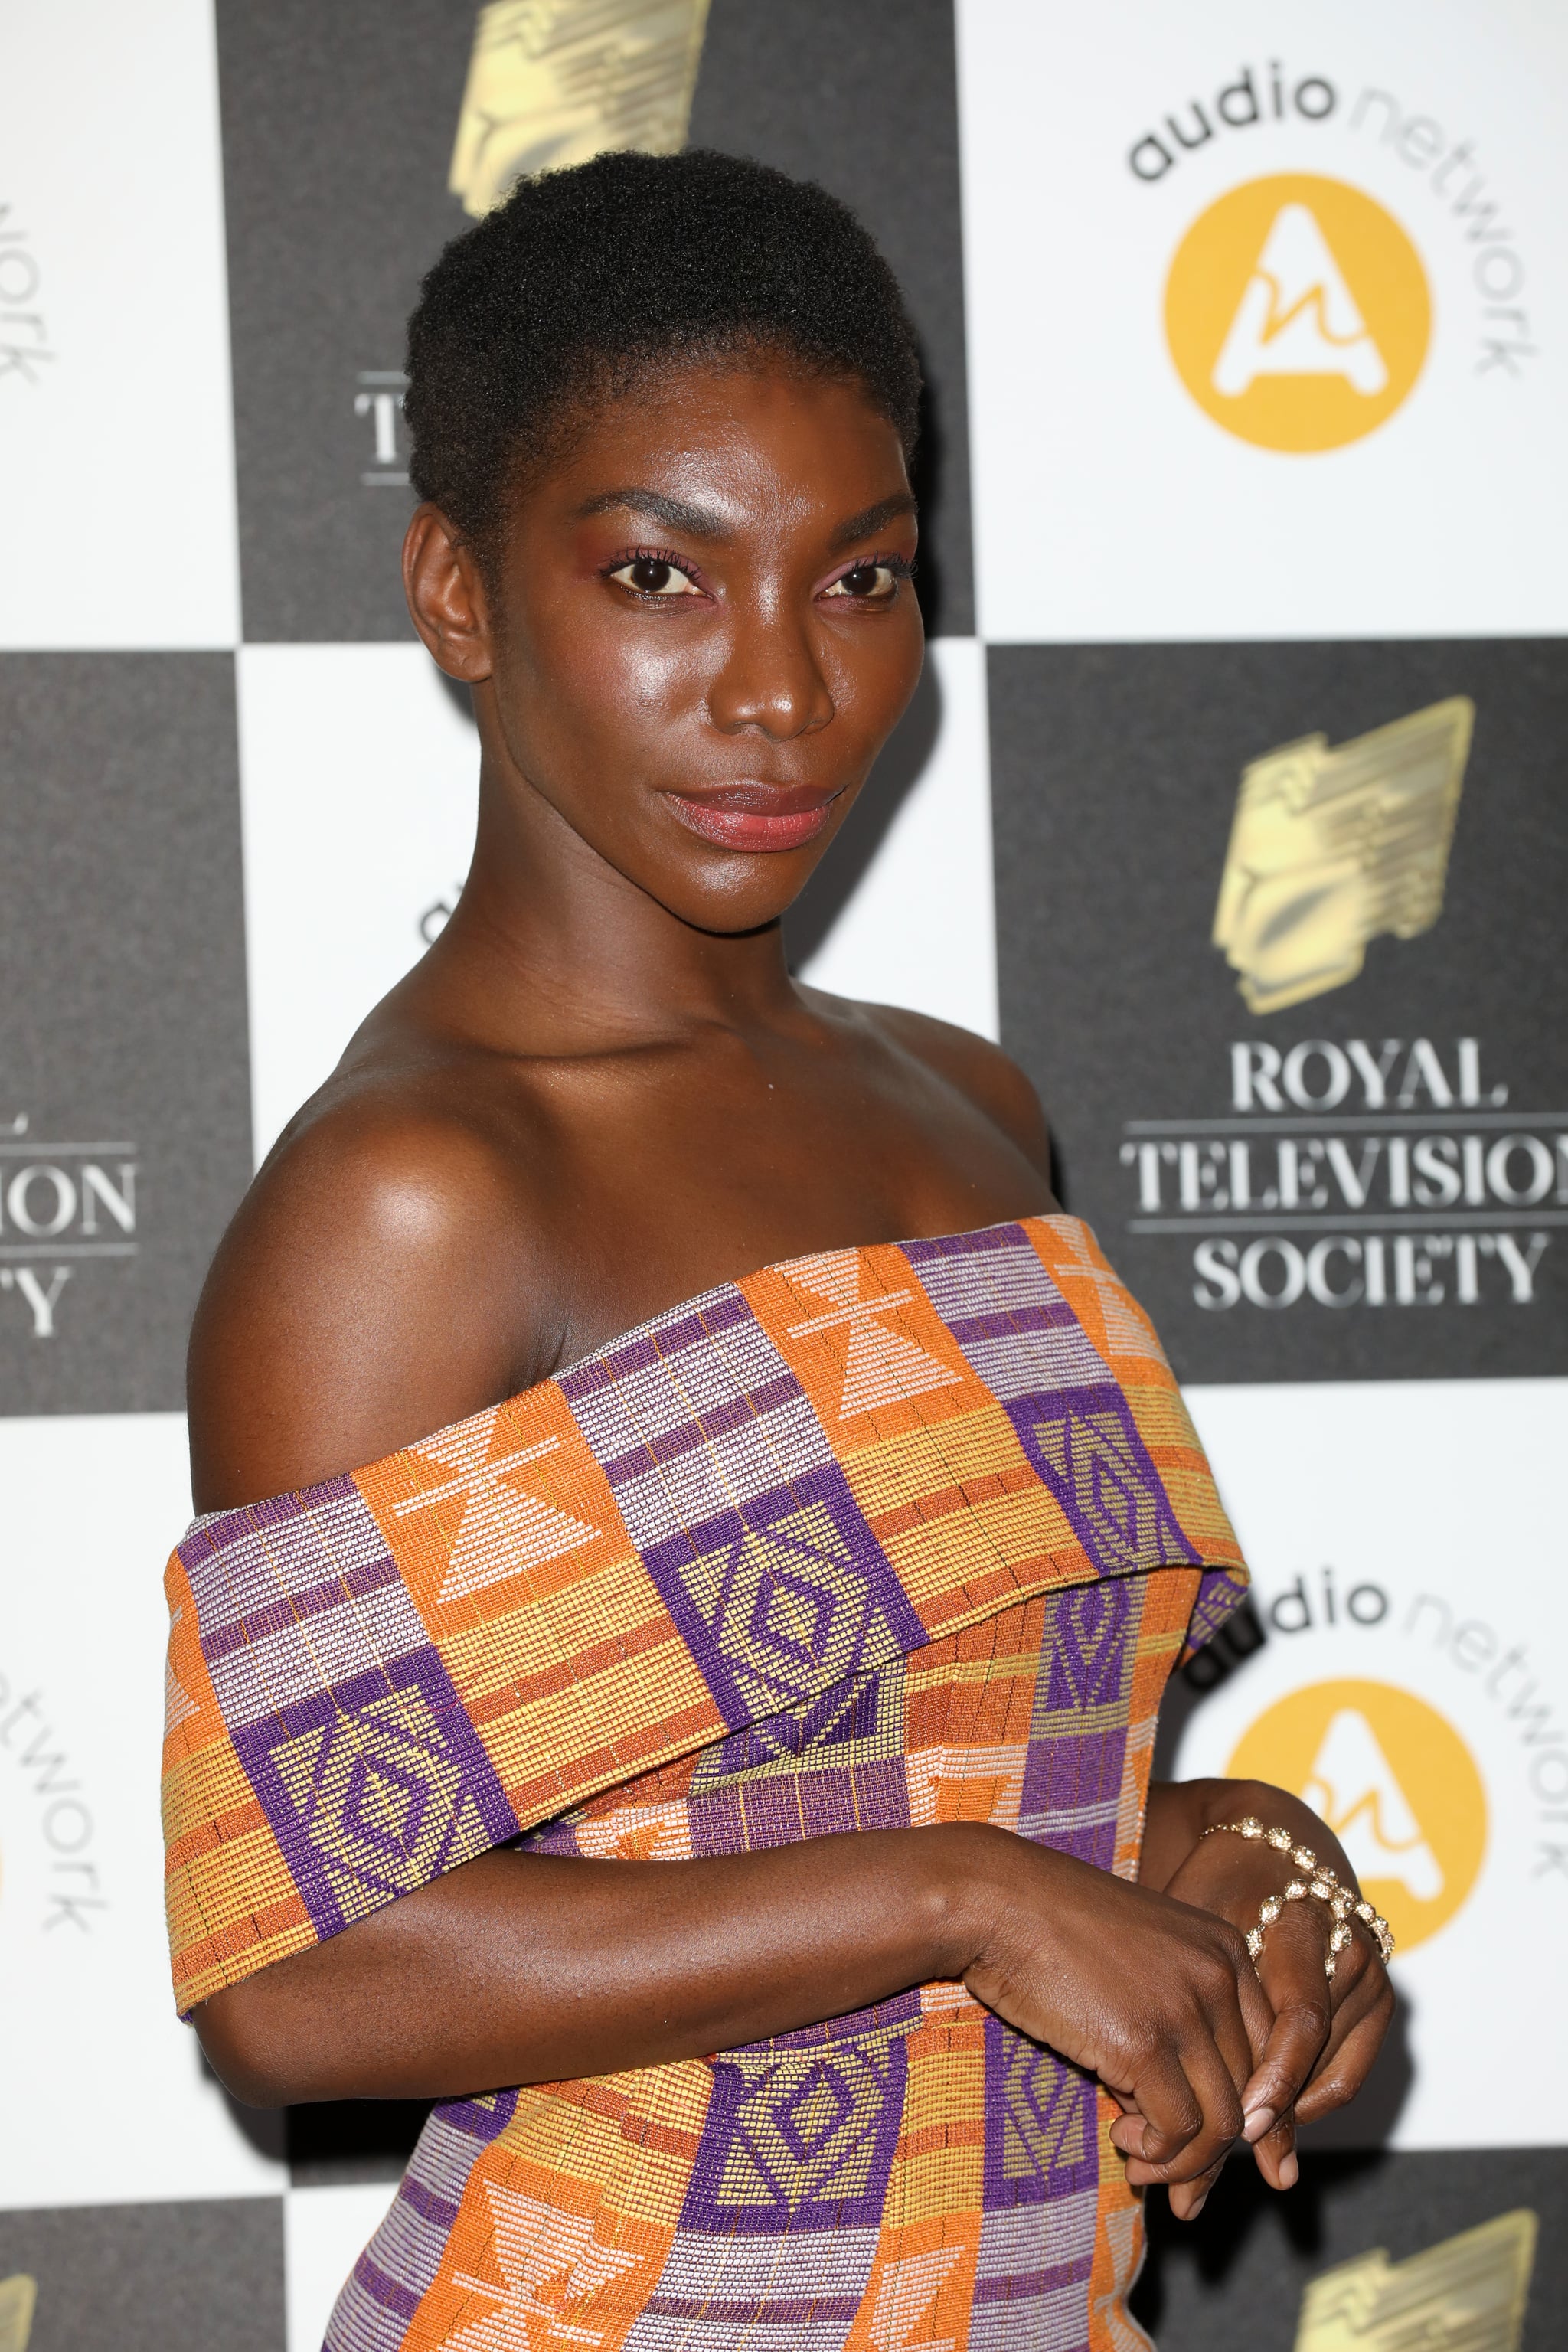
(762,1657)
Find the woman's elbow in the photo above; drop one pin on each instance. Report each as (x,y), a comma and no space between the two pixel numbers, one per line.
(261,2060)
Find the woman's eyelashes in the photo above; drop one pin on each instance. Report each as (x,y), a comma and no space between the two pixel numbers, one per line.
(656,578)
(871,580)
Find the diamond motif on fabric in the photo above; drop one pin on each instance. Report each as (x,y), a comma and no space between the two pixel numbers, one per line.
(1099,1467)
(552,2266)
(501,1528)
(374,1788)
(1039,2123)
(1088,1652)
(798,2139)
(880,1367)
(784,1598)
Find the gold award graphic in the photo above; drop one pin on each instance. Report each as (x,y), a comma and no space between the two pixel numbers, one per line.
(1297,313)
(1467,2294)
(553,82)
(1328,848)
(18,2300)
(1393,1782)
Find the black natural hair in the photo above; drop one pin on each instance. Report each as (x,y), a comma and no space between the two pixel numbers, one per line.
(582,280)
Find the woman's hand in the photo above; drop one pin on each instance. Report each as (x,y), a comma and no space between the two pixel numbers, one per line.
(1326,2031)
(1152,1992)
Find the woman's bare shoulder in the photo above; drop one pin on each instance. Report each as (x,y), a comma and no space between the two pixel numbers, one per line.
(975,1069)
(379,1280)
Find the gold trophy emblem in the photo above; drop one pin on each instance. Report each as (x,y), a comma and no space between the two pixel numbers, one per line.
(1466,2296)
(553,82)
(1328,848)
(18,2300)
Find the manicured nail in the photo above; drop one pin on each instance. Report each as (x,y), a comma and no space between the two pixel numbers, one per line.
(1290,2170)
(1258,2125)
(1196,2207)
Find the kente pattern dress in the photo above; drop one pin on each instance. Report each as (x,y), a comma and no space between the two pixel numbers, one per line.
(881,1537)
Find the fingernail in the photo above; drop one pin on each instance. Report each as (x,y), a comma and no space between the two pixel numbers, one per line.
(1258,2125)
(1196,2207)
(1290,2170)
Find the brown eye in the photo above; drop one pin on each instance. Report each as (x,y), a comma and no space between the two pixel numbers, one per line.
(650,575)
(868,583)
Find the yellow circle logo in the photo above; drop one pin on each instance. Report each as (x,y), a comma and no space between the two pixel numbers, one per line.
(1297,313)
(1393,1782)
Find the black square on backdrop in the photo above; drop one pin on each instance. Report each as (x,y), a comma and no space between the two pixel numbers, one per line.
(1114,770)
(145,2278)
(124,1086)
(338,128)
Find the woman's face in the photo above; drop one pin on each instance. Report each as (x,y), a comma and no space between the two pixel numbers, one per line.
(702,632)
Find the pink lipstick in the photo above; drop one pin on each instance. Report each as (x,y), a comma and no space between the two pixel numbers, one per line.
(753,816)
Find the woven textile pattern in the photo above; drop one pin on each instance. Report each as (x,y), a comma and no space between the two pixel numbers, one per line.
(884,1536)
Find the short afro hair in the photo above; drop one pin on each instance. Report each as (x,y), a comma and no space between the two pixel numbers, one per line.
(583,278)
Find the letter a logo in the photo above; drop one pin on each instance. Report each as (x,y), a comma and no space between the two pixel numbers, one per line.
(1298,316)
(1296,312)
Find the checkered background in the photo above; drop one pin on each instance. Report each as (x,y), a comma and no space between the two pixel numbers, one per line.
(238,801)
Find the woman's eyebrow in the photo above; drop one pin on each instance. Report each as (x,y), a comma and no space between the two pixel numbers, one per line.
(696,522)
(872,519)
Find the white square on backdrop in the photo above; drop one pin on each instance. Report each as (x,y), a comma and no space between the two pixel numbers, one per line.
(106,2091)
(116,437)
(1357,233)
(359,779)
(1404,1539)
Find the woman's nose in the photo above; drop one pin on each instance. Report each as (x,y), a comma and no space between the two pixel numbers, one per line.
(770,679)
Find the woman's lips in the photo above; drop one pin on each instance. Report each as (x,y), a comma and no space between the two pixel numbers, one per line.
(755,817)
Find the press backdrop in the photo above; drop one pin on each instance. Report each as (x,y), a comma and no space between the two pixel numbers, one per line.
(1244,328)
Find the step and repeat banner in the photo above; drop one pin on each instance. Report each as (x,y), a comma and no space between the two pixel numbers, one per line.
(1232,801)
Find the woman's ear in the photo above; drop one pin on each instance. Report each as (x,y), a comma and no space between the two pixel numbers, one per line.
(445,594)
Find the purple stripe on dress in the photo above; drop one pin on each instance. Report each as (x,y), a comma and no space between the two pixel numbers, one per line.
(669,1444)
(668,1336)
(780,1809)
(976,1244)
(1019,2285)
(374,1787)
(367,1576)
(776,2310)
(214,1533)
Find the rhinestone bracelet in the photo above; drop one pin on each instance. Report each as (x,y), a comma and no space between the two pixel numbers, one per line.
(1319,1882)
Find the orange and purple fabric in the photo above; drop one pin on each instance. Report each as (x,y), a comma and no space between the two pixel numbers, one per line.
(883,1536)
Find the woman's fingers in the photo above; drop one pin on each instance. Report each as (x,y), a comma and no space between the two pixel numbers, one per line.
(1192,2118)
(1301,1996)
(1358,2036)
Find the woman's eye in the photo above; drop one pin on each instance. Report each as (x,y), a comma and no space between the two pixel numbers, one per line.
(868,583)
(649,575)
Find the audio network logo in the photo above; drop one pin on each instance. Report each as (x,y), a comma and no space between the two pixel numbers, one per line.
(1331,848)
(1297,310)
(1297,313)
(1395,1783)
(25,348)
